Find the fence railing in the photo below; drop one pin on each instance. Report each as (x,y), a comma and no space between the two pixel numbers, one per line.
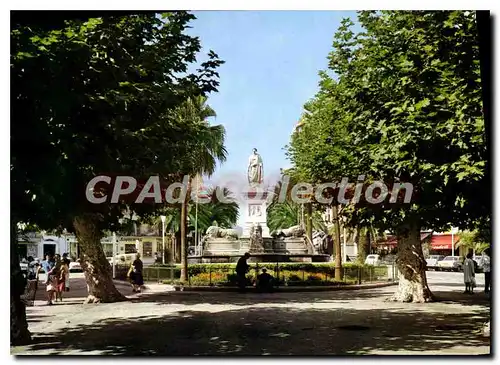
(284,274)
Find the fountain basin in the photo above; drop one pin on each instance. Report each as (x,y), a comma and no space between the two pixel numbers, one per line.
(258,257)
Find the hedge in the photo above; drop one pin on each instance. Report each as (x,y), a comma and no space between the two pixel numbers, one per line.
(205,274)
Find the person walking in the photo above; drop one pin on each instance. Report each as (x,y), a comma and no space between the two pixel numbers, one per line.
(66,261)
(486,265)
(242,268)
(48,265)
(32,285)
(136,277)
(469,274)
(61,282)
(52,284)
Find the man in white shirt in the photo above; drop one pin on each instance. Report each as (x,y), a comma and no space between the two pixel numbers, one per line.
(486,264)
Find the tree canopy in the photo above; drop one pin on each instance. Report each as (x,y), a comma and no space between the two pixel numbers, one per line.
(404,104)
(99,96)
(109,95)
(401,103)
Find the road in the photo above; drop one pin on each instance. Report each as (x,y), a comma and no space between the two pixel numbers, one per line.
(357,322)
(444,280)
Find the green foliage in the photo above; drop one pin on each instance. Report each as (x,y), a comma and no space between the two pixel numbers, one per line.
(473,241)
(283,215)
(103,95)
(225,214)
(292,273)
(405,106)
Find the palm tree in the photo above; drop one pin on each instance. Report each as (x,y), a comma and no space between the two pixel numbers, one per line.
(201,156)
(225,214)
(288,213)
(472,241)
(283,215)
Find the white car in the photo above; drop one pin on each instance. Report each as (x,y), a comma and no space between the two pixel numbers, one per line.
(479,261)
(450,263)
(122,259)
(432,261)
(75,266)
(372,260)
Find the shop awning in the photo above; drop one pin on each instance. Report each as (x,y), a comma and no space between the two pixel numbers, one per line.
(392,241)
(443,241)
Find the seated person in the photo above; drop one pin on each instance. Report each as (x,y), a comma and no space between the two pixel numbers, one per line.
(264,281)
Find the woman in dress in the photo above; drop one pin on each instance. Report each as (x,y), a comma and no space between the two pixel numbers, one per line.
(136,274)
(469,274)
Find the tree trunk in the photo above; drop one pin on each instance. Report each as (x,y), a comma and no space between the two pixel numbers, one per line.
(309,225)
(19,333)
(338,245)
(176,254)
(363,244)
(93,261)
(184,215)
(411,266)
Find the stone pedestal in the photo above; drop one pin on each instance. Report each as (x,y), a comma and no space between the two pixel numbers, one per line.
(254,212)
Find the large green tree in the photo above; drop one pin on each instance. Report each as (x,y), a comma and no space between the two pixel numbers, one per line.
(97,96)
(407,88)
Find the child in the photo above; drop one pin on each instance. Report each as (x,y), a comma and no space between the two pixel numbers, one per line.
(61,283)
(469,274)
(51,287)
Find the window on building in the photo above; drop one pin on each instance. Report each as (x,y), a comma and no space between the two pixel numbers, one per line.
(130,248)
(108,249)
(147,249)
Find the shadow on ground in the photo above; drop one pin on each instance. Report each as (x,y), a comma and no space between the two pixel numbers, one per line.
(271,331)
(235,298)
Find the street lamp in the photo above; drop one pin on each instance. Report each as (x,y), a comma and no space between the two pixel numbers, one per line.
(162,217)
(453,231)
(196,225)
(114,255)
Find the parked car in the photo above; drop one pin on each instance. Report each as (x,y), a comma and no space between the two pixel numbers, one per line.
(388,260)
(372,260)
(122,259)
(432,261)
(450,263)
(75,266)
(478,261)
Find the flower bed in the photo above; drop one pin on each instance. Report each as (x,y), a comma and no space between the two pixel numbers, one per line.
(291,274)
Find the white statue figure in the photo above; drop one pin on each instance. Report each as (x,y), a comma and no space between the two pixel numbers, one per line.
(255,169)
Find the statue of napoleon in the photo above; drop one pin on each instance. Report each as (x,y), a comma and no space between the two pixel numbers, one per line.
(255,169)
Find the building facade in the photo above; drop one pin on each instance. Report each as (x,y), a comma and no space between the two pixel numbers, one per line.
(38,245)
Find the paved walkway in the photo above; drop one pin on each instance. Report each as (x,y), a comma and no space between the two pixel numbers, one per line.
(322,323)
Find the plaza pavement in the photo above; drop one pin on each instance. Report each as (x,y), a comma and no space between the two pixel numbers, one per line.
(350,322)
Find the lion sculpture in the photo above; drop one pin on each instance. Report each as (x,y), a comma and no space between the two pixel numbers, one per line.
(294,231)
(217,232)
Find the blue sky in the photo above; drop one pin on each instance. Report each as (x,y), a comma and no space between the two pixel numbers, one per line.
(271,70)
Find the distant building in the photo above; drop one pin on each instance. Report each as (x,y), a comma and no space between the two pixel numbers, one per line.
(37,245)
